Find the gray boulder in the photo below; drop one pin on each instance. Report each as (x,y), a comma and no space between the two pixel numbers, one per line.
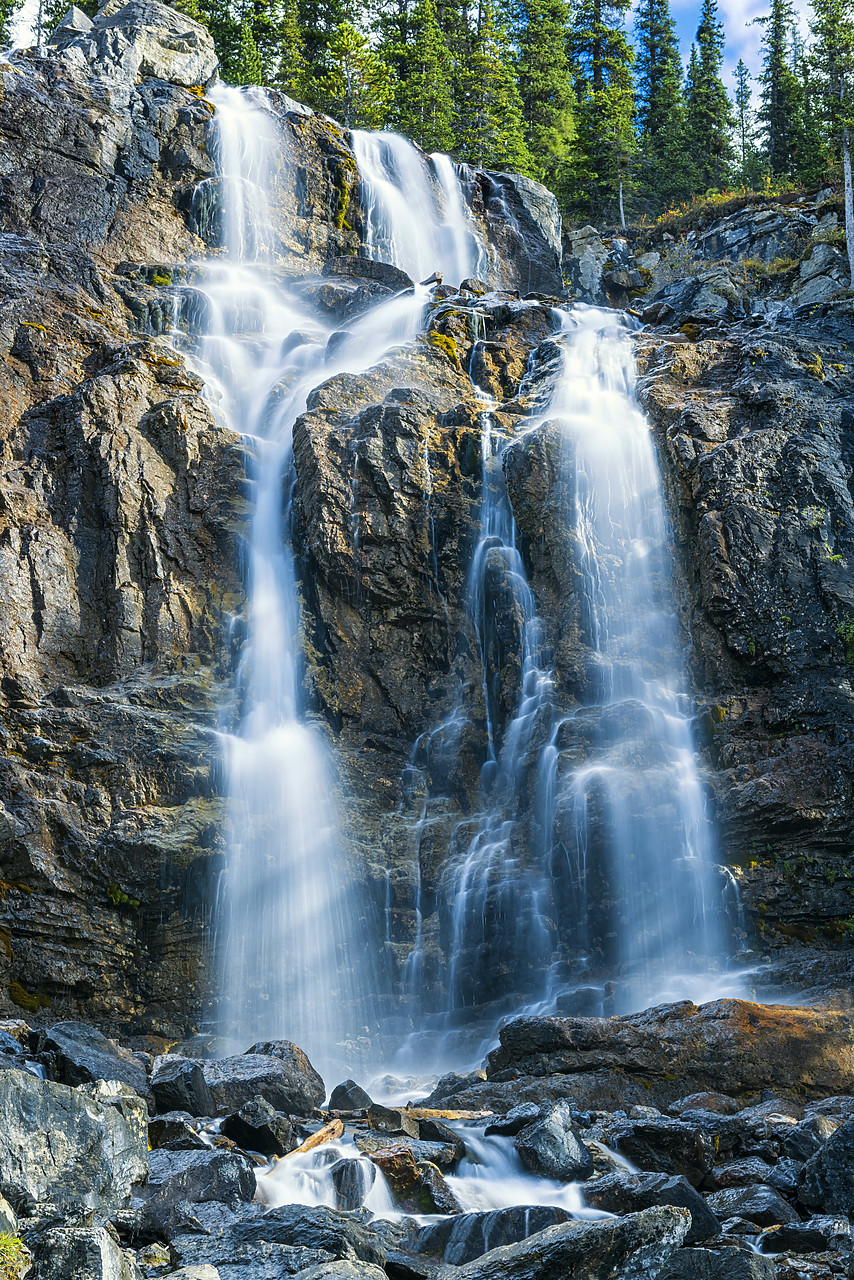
(179,1084)
(551,1146)
(80,1054)
(667,1146)
(820,276)
(828,1176)
(74,22)
(349,1096)
(713,294)
(67,1147)
(305,1086)
(175,1131)
(178,1178)
(467,1236)
(257,1127)
(760,1204)
(515,1120)
(626,1193)
(144,40)
(81,1253)
(352,1180)
(717,1264)
(584,258)
(342,1269)
(523,221)
(636,1246)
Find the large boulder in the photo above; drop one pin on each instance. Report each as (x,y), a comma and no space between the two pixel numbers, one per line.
(81,1253)
(179,1084)
(717,1264)
(628,1192)
(667,1146)
(144,40)
(641,1243)
(66,1148)
(80,1054)
(584,258)
(828,1176)
(178,1178)
(523,221)
(467,1236)
(257,1127)
(551,1147)
(306,1086)
(760,1204)
(349,1096)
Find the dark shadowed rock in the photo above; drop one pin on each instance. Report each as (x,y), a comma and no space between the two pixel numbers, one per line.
(179,1084)
(306,1087)
(807,1137)
(626,1193)
(641,1242)
(760,1204)
(62,1146)
(175,1131)
(815,1236)
(178,1178)
(516,1118)
(668,1146)
(80,1054)
(352,1180)
(828,1176)
(552,1148)
(718,1264)
(81,1253)
(258,1127)
(358,268)
(469,1235)
(349,1096)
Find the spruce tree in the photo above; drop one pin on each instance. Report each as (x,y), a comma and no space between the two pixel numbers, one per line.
(491,129)
(357,86)
(319,21)
(833,60)
(540,29)
(780,93)
(291,77)
(710,117)
(602,67)
(250,69)
(666,174)
(424,106)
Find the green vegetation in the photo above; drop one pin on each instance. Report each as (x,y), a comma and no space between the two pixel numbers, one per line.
(14,1257)
(120,900)
(845,631)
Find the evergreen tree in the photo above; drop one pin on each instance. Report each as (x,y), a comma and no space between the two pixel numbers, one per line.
(319,22)
(602,64)
(833,60)
(424,106)
(666,169)
(291,77)
(780,94)
(491,128)
(357,86)
(710,118)
(813,156)
(539,30)
(250,69)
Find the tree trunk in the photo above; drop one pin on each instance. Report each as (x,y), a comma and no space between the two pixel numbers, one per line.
(849,201)
(622,210)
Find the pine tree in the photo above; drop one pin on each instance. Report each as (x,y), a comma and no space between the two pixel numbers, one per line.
(291,77)
(833,60)
(666,169)
(710,117)
(250,69)
(424,106)
(539,30)
(319,21)
(780,94)
(357,86)
(491,128)
(602,64)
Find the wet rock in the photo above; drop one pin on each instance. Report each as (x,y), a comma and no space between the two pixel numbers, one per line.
(637,1245)
(179,1084)
(432,1190)
(760,1204)
(740,1173)
(515,1119)
(805,1139)
(552,1148)
(175,1131)
(306,1088)
(815,1236)
(523,220)
(625,1193)
(392,1120)
(445,1154)
(828,1176)
(349,1096)
(143,39)
(718,1264)
(720,1102)
(343,1269)
(81,1253)
(358,268)
(584,257)
(668,1146)
(257,1127)
(80,1054)
(451,1084)
(417,1184)
(468,1236)
(61,1146)
(472,285)
(352,1180)
(179,1178)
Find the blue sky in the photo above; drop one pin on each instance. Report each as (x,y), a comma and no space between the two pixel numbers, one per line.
(742,38)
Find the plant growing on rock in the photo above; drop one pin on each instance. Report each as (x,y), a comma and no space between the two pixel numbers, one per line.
(14,1257)
(833,60)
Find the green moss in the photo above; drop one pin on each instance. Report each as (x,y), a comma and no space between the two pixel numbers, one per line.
(120,900)
(845,631)
(445,343)
(26,1000)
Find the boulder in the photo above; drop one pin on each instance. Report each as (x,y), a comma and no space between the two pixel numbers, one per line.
(740,1173)
(74,22)
(357,268)
(760,1204)
(81,1253)
(195,1273)
(175,1131)
(416,1184)
(64,1147)
(828,1176)
(584,257)
(815,1236)
(666,1146)
(80,1054)
(306,1088)
(551,1147)
(714,293)
(257,1127)
(178,1178)
(444,1154)
(641,1243)
(515,1119)
(393,1120)
(467,1236)
(179,1084)
(717,1264)
(343,1269)
(628,1192)
(805,1138)
(144,40)
(349,1096)
(352,1180)
(8,1218)
(523,220)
